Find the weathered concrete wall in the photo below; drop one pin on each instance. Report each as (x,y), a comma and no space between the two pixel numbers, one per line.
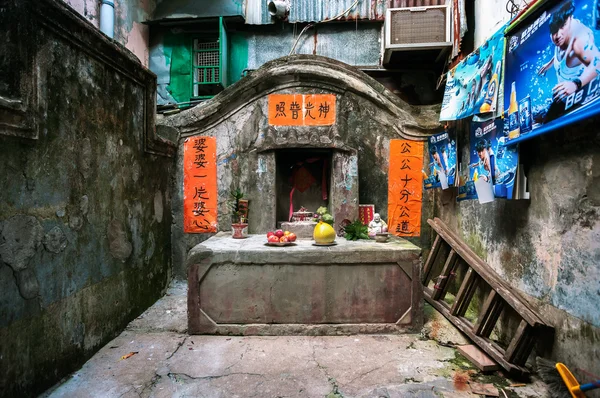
(549,246)
(129,15)
(368,116)
(84,207)
(490,15)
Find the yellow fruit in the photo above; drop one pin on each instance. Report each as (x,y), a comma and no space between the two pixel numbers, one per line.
(286,233)
(324,233)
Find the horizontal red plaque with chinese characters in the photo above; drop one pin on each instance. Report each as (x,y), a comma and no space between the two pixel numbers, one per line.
(405,184)
(301,109)
(200,185)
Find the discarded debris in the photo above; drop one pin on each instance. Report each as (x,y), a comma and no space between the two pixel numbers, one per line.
(477,357)
(132,353)
(461,379)
(518,385)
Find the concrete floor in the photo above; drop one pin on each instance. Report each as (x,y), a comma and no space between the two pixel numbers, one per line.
(170,363)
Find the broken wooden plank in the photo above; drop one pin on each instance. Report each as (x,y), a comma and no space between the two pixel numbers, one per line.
(478,357)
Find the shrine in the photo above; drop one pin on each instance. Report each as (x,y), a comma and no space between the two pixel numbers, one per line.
(298,135)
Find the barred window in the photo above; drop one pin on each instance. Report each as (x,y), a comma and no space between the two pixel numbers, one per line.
(207,63)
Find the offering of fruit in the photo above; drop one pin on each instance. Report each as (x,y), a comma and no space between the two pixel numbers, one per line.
(291,237)
(273,239)
(279,233)
(269,234)
(324,233)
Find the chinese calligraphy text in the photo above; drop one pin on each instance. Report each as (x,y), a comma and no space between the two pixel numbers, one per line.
(405,181)
(302,110)
(200,185)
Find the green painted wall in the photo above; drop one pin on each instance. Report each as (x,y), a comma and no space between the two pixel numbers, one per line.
(238,56)
(179,47)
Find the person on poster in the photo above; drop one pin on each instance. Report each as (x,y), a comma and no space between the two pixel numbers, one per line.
(492,160)
(444,159)
(485,75)
(484,160)
(436,159)
(576,57)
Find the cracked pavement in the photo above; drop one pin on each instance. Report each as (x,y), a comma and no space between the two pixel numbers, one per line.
(170,363)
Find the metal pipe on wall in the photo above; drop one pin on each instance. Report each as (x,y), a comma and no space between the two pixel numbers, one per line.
(107,18)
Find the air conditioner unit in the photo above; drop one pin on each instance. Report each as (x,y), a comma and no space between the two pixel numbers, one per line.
(422,29)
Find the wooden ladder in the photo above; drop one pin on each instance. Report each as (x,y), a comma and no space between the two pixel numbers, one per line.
(447,254)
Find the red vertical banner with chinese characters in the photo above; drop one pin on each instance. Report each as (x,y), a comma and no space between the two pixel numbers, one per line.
(405,187)
(200,185)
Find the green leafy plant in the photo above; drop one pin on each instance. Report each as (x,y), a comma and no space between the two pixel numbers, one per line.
(234,205)
(356,230)
(322,215)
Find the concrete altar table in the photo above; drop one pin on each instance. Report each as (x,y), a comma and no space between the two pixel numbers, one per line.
(243,287)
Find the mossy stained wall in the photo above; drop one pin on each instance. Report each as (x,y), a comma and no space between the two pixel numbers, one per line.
(549,246)
(84,214)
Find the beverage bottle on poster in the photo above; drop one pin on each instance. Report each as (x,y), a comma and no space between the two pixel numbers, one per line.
(525,115)
(489,104)
(514,125)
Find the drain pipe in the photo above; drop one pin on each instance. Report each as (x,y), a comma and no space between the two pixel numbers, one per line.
(107,18)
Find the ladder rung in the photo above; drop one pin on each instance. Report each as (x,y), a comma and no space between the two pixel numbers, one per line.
(492,308)
(516,341)
(465,293)
(430,258)
(441,286)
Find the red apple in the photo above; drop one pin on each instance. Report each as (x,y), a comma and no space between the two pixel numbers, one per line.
(291,237)
(270,233)
(283,239)
(273,239)
(279,233)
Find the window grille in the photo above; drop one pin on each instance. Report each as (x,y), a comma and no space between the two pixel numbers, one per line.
(207,63)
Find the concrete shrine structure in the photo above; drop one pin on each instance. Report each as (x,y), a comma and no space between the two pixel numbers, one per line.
(245,287)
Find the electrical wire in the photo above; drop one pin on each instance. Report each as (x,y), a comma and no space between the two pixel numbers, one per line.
(310,25)
(513,7)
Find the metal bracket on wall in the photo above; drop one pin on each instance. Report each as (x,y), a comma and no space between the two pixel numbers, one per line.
(441,271)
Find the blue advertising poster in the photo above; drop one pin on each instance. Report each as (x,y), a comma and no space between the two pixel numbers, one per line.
(442,156)
(473,86)
(492,165)
(552,69)
(466,187)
